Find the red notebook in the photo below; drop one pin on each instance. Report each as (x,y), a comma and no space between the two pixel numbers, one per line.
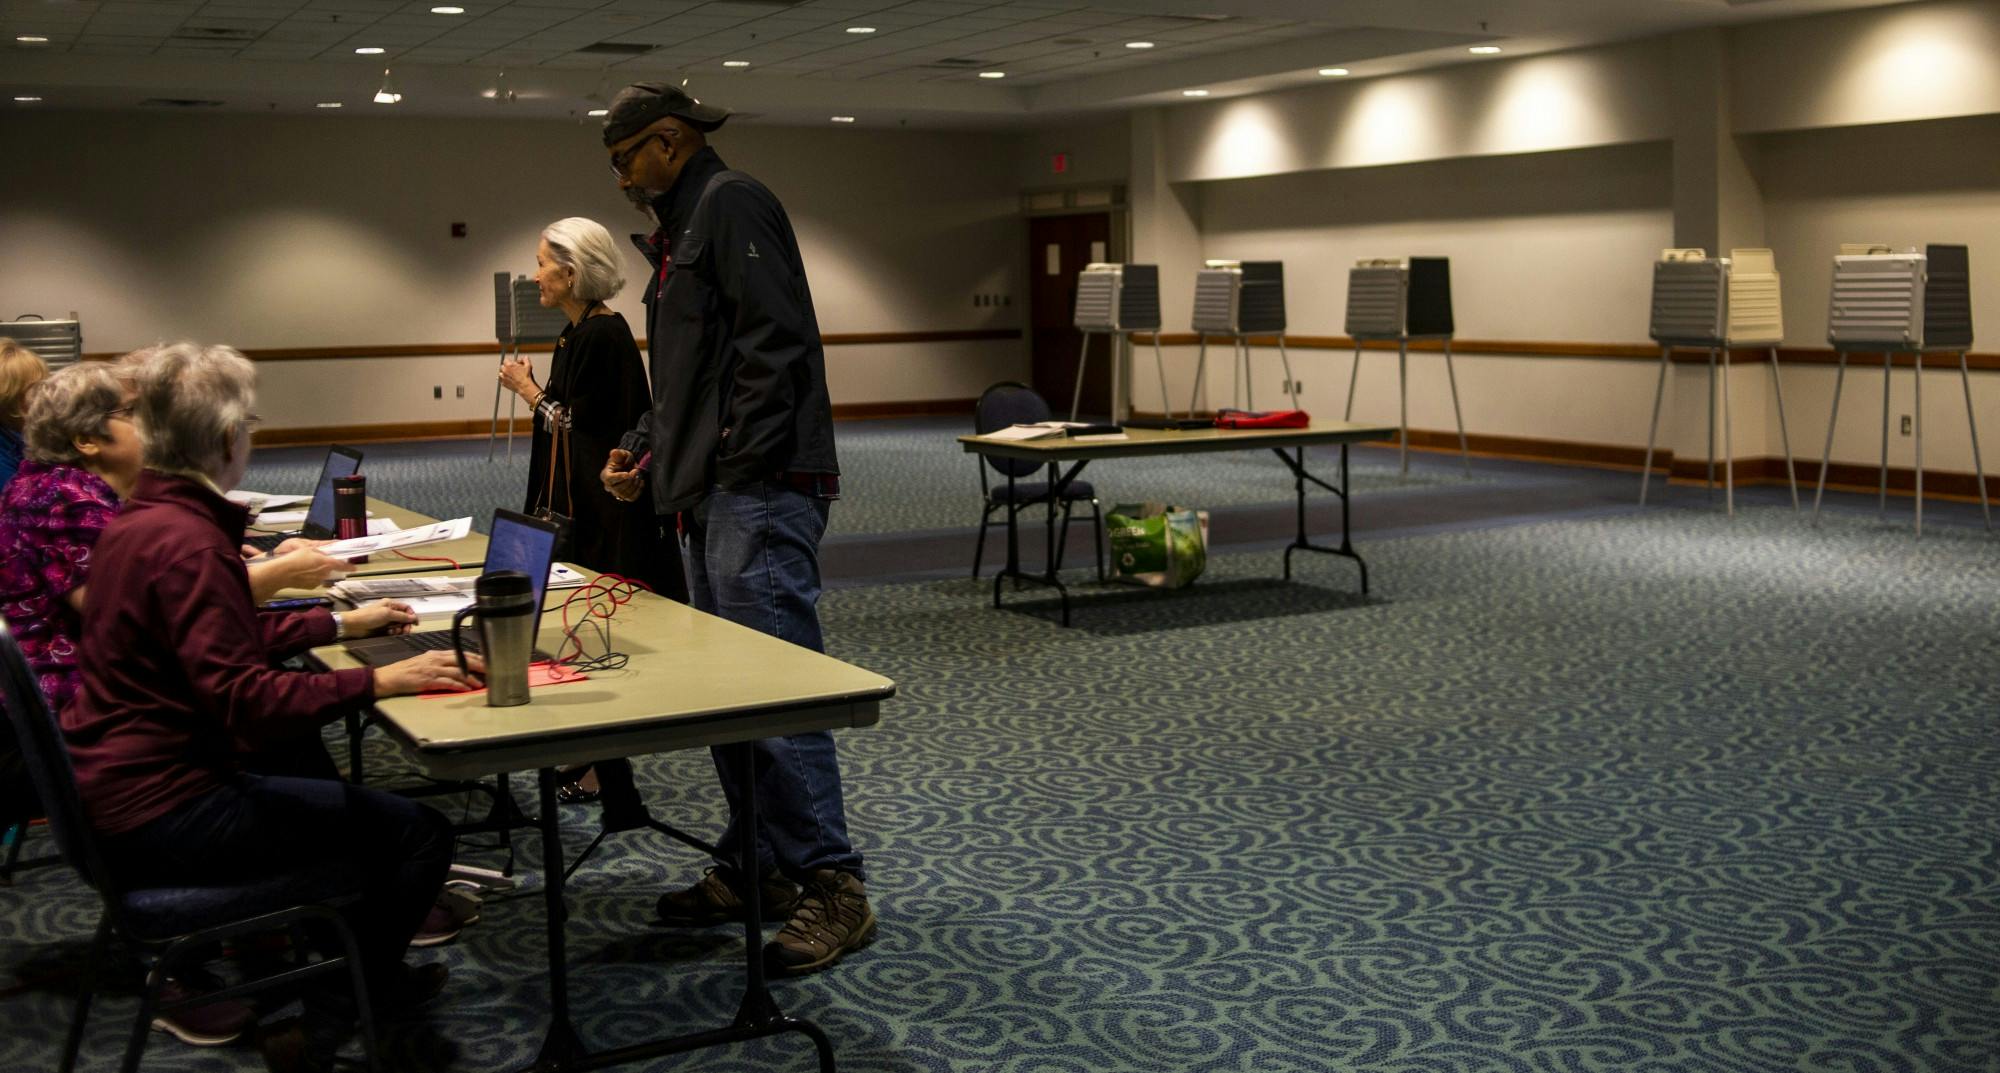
(1262,419)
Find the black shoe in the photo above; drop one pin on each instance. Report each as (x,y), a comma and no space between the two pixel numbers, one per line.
(833,919)
(714,900)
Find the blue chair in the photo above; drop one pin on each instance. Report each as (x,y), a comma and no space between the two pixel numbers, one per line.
(1010,403)
(171,926)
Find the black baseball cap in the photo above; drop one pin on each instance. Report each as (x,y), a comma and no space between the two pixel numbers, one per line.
(642,104)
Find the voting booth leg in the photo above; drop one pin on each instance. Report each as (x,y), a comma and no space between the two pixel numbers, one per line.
(1653,429)
(1833,418)
(1972,425)
(1784,433)
(1711,424)
(1464,450)
(1241,393)
(1200,373)
(1160,366)
(1353,377)
(1917,408)
(1882,473)
(1082,360)
(1291,382)
(1296,462)
(1403,404)
(1728,443)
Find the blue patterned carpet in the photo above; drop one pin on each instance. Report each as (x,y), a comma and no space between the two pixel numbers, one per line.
(1655,792)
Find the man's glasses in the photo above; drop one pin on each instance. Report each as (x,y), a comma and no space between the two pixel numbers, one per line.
(123,411)
(621,163)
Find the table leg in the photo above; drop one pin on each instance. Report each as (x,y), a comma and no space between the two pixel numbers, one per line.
(1301,542)
(560,1047)
(1057,485)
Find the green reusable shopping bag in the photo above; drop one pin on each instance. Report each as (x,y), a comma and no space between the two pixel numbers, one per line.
(1156,544)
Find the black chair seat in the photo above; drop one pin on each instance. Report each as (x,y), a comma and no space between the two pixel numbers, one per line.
(1035,491)
(161,913)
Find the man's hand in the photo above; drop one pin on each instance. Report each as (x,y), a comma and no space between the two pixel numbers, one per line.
(382,616)
(621,478)
(430,672)
(304,568)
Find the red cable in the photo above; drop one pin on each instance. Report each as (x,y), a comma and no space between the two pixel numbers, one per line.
(426,558)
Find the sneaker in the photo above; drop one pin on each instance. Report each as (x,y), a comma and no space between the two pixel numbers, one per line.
(713,900)
(211,1024)
(440,926)
(833,918)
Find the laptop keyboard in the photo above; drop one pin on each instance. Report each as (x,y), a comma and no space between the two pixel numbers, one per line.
(265,542)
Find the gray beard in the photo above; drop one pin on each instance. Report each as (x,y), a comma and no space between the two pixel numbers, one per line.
(642,200)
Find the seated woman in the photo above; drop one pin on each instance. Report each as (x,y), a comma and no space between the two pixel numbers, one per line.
(20,369)
(180,678)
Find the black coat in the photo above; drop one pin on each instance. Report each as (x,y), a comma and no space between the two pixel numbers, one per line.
(597,377)
(739,379)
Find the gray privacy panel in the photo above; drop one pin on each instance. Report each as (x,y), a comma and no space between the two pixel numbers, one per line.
(1690,298)
(56,342)
(1118,298)
(528,321)
(1877,300)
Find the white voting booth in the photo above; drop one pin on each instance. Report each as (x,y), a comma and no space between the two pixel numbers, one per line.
(1717,304)
(1236,300)
(518,317)
(1400,299)
(1901,302)
(1113,301)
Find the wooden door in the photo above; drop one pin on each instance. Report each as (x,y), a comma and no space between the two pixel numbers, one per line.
(1058,248)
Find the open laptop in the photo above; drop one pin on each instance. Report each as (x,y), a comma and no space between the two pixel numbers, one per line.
(517,542)
(340,462)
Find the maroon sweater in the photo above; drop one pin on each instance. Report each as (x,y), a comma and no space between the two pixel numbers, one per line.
(179,666)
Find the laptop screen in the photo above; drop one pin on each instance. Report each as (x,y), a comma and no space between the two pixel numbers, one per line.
(521,543)
(340,462)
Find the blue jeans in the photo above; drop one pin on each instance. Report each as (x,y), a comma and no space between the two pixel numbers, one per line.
(392,850)
(752,557)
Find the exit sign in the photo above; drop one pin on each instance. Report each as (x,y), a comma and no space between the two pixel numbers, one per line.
(1059,163)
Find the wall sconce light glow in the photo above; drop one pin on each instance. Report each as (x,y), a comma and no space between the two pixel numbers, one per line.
(842,118)
(1194,93)
(387,94)
(598,113)
(861,29)
(27,100)
(32,39)
(1332,72)
(1138,44)
(447,11)
(327,104)
(370,51)
(992,74)
(736,63)
(1484,50)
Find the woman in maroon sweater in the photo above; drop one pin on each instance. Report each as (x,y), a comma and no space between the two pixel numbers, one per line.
(156,731)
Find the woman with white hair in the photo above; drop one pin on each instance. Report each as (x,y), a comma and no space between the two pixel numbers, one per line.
(181,676)
(595,391)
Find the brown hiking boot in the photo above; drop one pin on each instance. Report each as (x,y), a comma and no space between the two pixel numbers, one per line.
(714,900)
(832,919)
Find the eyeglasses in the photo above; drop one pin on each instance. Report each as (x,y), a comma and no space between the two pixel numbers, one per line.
(252,421)
(621,163)
(123,411)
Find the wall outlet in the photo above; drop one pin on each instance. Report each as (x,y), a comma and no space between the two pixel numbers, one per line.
(461,391)
(1290,386)
(1906,424)
(437,391)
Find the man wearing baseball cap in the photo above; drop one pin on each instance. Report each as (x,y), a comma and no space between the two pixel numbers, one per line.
(739,446)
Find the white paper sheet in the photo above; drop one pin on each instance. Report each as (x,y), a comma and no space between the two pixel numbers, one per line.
(433,533)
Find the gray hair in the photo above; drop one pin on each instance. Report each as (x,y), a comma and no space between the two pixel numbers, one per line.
(191,400)
(74,401)
(584,247)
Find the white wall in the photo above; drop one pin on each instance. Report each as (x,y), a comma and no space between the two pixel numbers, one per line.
(270,232)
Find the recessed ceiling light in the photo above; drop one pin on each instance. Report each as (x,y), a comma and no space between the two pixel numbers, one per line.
(842,118)
(1194,93)
(27,100)
(32,39)
(736,63)
(992,74)
(598,112)
(1484,50)
(1332,72)
(1138,44)
(368,51)
(447,10)
(861,29)
(327,104)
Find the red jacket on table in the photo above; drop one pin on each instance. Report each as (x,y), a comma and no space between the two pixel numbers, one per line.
(179,667)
